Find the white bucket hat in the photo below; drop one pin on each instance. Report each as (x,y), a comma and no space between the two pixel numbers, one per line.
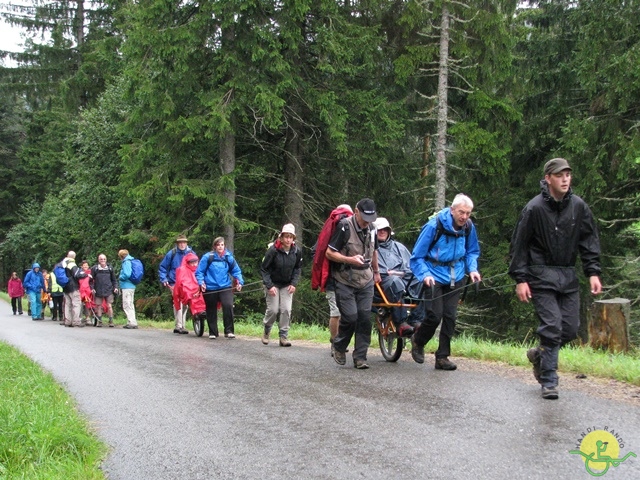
(382,223)
(289,228)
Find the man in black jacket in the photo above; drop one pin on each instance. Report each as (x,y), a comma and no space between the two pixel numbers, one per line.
(553,229)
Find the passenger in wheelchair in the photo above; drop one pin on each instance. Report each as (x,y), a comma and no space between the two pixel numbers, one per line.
(398,282)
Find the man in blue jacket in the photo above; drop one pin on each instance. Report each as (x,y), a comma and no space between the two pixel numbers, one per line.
(33,285)
(447,249)
(167,274)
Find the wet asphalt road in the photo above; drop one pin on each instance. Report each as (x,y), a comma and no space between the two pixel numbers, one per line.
(182,407)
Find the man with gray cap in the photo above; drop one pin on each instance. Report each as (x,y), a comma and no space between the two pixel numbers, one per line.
(554,227)
(353,253)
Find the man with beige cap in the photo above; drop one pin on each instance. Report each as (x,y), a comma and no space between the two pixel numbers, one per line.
(167,275)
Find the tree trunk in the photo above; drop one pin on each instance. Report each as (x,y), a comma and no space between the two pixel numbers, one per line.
(293,204)
(443,85)
(608,324)
(227,166)
(79,23)
(227,151)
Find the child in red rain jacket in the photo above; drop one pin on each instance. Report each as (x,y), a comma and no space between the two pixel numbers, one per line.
(186,290)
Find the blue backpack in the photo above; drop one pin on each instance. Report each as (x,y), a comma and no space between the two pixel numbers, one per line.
(61,275)
(137,271)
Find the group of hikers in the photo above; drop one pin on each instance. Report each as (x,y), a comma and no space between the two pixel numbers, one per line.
(553,229)
(354,252)
(77,296)
(201,285)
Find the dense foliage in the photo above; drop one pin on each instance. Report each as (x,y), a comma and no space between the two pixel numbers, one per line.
(206,118)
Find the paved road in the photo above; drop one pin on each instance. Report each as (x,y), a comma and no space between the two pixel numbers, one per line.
(181,407)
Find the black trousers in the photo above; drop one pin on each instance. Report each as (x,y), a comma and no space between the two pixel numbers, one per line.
(16,302)
(211,299)
(441,306)
(559,319)
(57,312)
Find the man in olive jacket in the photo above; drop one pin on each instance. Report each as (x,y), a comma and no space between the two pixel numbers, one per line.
(554,227)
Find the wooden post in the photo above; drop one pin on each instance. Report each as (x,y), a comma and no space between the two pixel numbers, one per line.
(609,325)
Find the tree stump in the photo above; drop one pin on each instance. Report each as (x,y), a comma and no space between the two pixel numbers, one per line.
(609,325)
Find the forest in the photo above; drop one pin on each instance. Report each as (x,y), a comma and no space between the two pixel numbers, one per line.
(125,124)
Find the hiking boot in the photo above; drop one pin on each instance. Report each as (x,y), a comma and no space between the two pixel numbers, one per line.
(340,357)
(360,364)
(533,354)
(405,330)
(284,342)
(265,336)
(417,351)
(99,324)
(550,393)
(111,323)
(445,364)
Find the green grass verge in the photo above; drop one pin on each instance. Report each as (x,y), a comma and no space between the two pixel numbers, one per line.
(575,359)
(42,436)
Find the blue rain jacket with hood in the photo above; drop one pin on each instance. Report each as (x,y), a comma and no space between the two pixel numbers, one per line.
(34,281)
(452,246)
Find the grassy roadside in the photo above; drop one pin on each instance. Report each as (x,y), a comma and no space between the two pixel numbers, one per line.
(42,436)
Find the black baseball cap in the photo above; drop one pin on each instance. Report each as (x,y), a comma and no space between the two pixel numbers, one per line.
(367,209)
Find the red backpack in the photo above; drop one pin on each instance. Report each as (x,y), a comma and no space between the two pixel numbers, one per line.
(320,268)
